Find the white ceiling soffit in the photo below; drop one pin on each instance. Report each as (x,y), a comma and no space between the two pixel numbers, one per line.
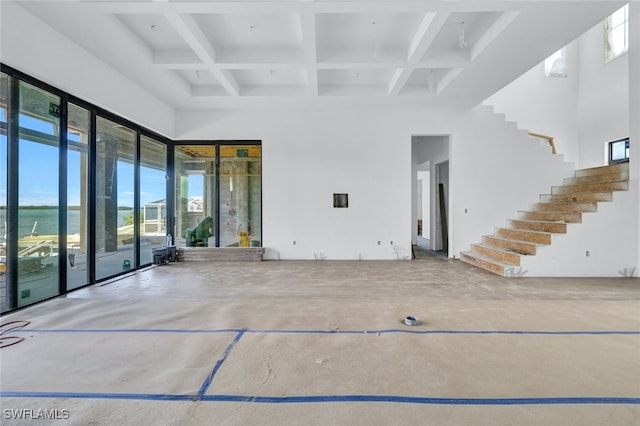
(229,54)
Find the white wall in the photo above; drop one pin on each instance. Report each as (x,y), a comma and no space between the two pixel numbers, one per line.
(608,236)
(546,105)
(603,98)
(424,199)
(310,154)
(634,106)
(33,47)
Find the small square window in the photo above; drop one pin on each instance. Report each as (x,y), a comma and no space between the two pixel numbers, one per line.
(340,200)
(619,151)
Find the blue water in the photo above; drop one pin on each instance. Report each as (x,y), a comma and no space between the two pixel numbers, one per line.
(48,221)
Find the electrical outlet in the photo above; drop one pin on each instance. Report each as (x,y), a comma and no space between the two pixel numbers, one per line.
(25,293)
(294,242)
(378,242)
(587,253)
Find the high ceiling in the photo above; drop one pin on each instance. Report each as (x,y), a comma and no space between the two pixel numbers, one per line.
(230,54)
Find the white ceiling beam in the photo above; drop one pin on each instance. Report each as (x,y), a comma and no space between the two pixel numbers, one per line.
(308,27)
(398,6)
(189,30)
(492,33)
(448,78)
(427,31)
(500,24)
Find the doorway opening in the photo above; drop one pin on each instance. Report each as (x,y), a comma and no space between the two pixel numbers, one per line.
(430,196)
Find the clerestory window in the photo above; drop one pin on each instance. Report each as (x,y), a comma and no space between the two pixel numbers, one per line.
(616,34)
(556,64)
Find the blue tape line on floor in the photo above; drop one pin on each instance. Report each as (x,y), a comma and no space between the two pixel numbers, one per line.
(384,331)
(209,379)
(331,398)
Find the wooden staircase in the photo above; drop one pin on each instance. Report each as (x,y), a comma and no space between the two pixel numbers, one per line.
(501,253)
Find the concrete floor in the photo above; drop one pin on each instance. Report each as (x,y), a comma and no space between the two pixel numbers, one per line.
(323,343)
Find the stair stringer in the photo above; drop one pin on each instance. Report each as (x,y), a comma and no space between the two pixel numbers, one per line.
(608,235)
(517,172)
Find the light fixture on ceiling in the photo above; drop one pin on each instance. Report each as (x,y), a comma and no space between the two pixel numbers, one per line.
(461,40)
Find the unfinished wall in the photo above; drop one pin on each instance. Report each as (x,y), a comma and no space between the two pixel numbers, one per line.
(546,105)
(33,47)
(603,98)
(310,154)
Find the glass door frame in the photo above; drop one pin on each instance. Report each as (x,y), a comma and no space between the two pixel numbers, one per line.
(14,78)
(171,182)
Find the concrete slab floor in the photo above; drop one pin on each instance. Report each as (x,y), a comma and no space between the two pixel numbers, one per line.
(323,343)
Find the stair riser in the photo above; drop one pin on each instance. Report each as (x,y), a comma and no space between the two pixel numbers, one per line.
(516,246)
(580,197)
(566,207)
(553,227)
(593,187)
(604,170)
(491,267)
(511,258)
(570,217)
(533,237)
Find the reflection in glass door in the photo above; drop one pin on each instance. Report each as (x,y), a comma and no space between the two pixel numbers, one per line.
(195,177)
(38,194)
(115,153)
(218,195)
(4,103)
(153,199)
(240,196)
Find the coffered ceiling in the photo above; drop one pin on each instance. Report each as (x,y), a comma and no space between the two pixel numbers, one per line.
(217,54)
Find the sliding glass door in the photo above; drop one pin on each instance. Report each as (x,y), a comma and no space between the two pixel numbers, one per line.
(38,194)
(115,154)
(5,301)
(195,200)
(218,195)
(240,196)
(77,196)
(153,198)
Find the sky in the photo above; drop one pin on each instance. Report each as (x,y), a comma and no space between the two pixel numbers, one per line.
(38,173)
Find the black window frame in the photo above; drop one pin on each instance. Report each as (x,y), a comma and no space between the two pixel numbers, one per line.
(610,147)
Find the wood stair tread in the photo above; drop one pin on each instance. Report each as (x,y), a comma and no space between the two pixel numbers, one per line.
(508,244)
(537,221)
(515,240)
(497,248)
(485,262)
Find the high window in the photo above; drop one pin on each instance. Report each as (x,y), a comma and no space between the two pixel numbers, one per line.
(556,64)
(616,34)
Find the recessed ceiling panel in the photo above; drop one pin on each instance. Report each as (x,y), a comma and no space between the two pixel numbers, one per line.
(266,77)
(155,31)
(365,36)
(460,33)
(252,32)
